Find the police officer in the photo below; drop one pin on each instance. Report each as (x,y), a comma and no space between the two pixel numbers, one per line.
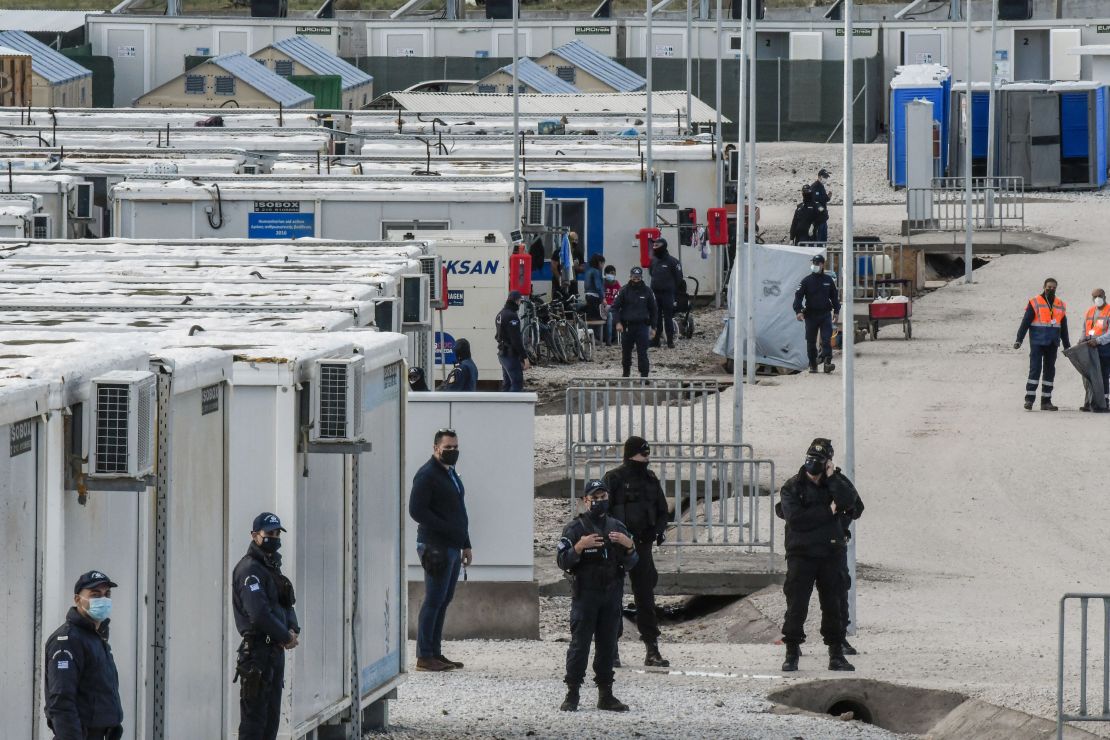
(1046,321)
(510,345)
(82,685)
(262,599)
(639,502)
(817,303)
(821,203)
(666,276)
(811,502)
(595,550)
(635,313)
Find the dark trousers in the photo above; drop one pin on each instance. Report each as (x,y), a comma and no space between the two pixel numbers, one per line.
(1042,366)
(822,231)
(1104,367)
(801,575)
(846,580)
(593,313)
(261,679)
(512,373)
(664,322)
(644,577)
(103,733)
(439,589)
(638,335)
(595,615)
(818,323)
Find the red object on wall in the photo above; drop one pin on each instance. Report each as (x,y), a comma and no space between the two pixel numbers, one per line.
(717,226)
(646,237)
(443,289)
(520,273)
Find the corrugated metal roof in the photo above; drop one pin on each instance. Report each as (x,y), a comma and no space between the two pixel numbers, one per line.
(539,79)
(44,21)
(665,103)
(593,62)
(277,88)
(321,62)
(55,68)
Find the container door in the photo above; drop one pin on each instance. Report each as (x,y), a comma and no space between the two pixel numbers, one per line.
(503,43)
(922,47)
(1031,54)
(231,40)
(772,45)
(1062,65)
(19,524)
(1044,140)
(410,43)
(806,77)
(127,48)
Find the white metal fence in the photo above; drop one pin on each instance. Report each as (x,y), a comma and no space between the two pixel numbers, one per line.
(997,204)
(1083,715)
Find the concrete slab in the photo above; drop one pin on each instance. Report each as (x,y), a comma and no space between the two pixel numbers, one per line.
(986,242)
(983,721)
(485,610)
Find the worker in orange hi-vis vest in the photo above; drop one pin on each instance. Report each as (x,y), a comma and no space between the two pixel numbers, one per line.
(1096,333)
(1047,323)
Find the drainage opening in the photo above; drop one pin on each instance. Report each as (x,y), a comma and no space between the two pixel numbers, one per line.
(685,608)
(857,709)
(949,266)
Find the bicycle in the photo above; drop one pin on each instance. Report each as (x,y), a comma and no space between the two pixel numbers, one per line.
(583,334)
(537,331)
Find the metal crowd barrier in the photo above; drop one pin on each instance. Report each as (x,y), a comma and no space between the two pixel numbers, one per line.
(723,496)
(1083,716)
(875,262)
(997,204)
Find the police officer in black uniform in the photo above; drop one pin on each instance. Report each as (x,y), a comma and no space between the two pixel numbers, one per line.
(596,550)
(821,197)
(82,685)
(635,314)
(510,344)
(639,502)
(817,302)
(666,275)
(262,599)
(811,503)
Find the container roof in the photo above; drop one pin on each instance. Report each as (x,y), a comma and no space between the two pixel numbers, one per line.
(52,66)
(321,62)
(596,64)
(538,78)
(255,186)
(273,86)
(44,21)
(664,103)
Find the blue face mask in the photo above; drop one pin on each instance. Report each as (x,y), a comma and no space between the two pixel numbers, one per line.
(100,609)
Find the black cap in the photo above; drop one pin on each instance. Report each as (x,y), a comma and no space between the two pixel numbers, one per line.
(595,484)
(818,259)
(636,272)
(635,446)
(824,173)
(821,448)
(660,243)
(93,578)
(267,522)
(514,295)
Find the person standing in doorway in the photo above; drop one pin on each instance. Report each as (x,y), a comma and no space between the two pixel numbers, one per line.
(438,505)
(1046,322)
(821,197)
(666,275)
(510,345)
(82,684)
(635,314)
(262,600)
(817,303)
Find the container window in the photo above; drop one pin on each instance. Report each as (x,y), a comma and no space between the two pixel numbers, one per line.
(194,84)
(566,74)
(225,85)
(283,67)
(487,88)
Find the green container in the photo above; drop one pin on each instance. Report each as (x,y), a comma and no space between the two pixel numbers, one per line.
(328,89)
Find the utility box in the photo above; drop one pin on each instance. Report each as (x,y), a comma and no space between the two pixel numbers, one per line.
(920,162)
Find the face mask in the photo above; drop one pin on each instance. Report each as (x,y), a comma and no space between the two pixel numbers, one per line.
(599,509)
(271,544)
(814,465)
(1049,294)
(449,457)
(610,278)
(815,268)
(1100,301)
(100,609)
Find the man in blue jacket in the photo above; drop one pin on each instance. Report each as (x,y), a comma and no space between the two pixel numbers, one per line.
(438,504)
(82,685)
(1046,321)
(817,303)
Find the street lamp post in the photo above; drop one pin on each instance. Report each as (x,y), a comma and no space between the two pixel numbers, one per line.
(847,311)
(738,285)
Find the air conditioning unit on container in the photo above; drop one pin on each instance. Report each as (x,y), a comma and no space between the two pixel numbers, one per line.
(416,303)
(121,426)
(337,401)
(432,266)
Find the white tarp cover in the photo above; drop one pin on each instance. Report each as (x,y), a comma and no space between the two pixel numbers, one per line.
(779,337)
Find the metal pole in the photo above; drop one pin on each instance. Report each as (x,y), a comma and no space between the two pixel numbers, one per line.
(749,256)
(516,115)
(991,113)
(649,196)
(847,312)
(778,99)
(967,154)
(719,254)
(689,79)
(737,283)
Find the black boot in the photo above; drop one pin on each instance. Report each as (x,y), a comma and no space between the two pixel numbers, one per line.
(837,661)
(653,658)
(813,367)
(606,700)
(829,366)
(1046,404)
(792,655)
(570,704)
(847,648)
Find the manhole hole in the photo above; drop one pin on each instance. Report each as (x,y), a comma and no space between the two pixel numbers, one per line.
(901,709)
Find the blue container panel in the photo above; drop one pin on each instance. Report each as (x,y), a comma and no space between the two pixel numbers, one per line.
(898,100)
(1101,133)
(980,120)
(1074,130)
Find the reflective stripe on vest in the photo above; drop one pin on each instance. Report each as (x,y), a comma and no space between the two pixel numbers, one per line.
(1098,321)
(1045,315)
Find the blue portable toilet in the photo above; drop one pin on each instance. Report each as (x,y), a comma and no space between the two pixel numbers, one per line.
(930,82)
(980,126)
(1083,133)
